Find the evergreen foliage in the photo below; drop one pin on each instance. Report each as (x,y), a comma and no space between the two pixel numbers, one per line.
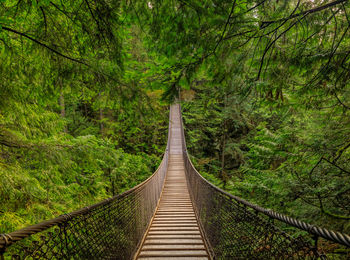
(78,122)
(267,112)
(264,84)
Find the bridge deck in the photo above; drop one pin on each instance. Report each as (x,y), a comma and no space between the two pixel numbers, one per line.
(174,232)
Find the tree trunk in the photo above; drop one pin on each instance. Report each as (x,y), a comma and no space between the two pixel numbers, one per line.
(223,144)
(100,117)
(62,105)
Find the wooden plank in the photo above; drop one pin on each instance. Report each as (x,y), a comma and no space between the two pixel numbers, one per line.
(173,247)
(173,221)
(177,258)
(161,253)
(171,232)
(173,228)
(175,225)
(174,236)
(170,241)
(174,232)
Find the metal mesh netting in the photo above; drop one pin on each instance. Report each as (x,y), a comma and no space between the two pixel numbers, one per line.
(111,229)
(236,229)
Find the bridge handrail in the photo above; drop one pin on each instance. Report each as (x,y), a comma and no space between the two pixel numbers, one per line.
(8,239)
(36,228)
(334,236)
(315,231)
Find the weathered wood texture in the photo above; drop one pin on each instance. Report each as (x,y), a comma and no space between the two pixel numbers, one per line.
(174,232)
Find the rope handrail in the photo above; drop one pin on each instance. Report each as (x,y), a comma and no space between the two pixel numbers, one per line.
(204,194)
(333,236)
(113,228)
(110,228)
(36,228)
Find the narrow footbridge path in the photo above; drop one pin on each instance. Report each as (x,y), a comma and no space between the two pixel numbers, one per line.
(174,231)
(174,214)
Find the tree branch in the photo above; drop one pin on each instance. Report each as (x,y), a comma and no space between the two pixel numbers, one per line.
(326,212)
(227,22)
(310,11)
(332,163)
(270,45)
(45,20)
(44,45)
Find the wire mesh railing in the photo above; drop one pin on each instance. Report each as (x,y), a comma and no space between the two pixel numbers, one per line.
(111,229)
(237,229)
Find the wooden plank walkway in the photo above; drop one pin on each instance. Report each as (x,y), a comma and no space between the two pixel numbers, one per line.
(174,232)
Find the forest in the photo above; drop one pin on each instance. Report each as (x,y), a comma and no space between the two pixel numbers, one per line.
(86,85)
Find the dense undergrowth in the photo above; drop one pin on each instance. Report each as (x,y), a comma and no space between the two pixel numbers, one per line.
(266,95)
(266,106)
(273,157)
(48,169)
(78,122)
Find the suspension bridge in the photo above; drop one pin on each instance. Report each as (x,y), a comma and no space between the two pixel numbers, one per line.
(174,214)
